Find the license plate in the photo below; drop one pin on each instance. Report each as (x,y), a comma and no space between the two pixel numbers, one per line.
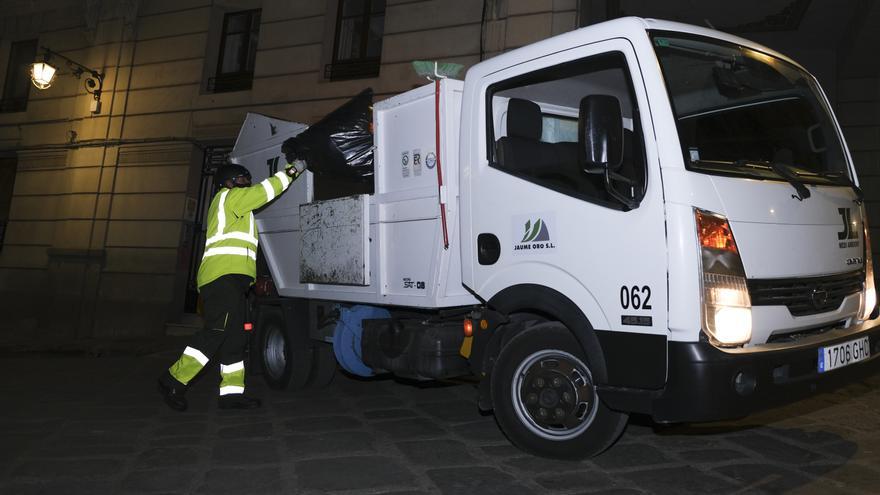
(843,354)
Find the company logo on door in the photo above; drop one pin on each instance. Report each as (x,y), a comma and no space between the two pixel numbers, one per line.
(534,232)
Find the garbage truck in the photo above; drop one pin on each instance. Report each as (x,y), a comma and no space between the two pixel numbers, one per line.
(636,217)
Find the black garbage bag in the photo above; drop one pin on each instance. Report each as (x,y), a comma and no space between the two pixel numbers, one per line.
(340,144)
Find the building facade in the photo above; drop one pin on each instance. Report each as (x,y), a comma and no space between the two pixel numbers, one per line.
(101,199)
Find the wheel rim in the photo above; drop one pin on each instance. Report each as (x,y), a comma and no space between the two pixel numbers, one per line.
(553,394)
(274,355)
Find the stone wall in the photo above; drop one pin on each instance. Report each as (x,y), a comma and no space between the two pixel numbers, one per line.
(101,218)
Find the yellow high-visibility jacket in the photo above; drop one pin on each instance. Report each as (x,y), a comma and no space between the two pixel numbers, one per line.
(231,244)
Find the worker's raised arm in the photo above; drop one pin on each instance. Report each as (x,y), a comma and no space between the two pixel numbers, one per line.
(245,199)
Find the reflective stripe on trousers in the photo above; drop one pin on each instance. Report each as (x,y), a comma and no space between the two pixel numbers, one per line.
(232,378)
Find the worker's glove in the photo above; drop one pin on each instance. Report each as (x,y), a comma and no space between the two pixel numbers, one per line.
(296,168)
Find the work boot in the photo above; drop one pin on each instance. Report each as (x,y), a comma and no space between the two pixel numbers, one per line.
(172,391)
(237,401)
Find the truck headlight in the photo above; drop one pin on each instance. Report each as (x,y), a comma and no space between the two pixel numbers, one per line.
(727,308)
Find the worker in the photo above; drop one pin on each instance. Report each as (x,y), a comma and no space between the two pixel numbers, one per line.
(227,270)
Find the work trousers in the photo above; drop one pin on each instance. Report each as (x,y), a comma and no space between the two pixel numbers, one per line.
(225,309)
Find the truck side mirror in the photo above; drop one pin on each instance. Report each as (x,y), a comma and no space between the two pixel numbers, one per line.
(600,127)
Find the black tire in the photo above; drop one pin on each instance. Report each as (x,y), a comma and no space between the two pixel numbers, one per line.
(544,397)
(283,366)
(323,365)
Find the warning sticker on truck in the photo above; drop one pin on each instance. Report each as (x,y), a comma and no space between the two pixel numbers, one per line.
(404,164)
(417,162)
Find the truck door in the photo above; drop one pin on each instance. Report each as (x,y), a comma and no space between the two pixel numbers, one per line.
(535,212)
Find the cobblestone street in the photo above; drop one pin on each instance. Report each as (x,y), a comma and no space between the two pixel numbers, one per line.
(78,424)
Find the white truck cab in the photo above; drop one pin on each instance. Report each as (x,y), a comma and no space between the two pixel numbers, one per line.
(639,216)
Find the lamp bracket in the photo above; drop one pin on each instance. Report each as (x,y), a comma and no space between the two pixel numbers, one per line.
(94,84)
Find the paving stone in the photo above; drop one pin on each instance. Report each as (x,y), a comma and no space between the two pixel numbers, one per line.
(775,449)
(189,429)
(108,439)
(819,469)
(630,456)
(59,486)
(255,430)
(245,452)
(807,437)
(368,403)
(711,455)
(389,414)
(677,441)
(12,446)
(456,411)
(175,441)
(503,450)
(102,428)
(426,393)
(163,480)
(404,429)
(111,413)
(329,423)
(827,487)
(853,475)
(843,448)
(232,417)
(168,417)
(481,480)
(73,449)
(39,427)
(763,477)
(437,453)
(538,465)
(480,431)
(68,468)
(360,473)
(329,443)
(356,387)
(679,480)
(265,480)
(169,457)
(583,480)
(618,491)
(431,435)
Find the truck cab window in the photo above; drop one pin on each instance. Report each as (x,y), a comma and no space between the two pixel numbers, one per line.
(741,112)
(534,134)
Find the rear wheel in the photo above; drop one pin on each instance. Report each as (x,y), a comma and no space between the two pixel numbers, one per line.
(323,365)
(282,364)
(289,359)
(545,398)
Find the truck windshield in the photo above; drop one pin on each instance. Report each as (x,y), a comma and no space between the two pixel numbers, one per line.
(745,113)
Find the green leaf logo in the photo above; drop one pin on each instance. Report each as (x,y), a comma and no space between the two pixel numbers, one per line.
(531,235)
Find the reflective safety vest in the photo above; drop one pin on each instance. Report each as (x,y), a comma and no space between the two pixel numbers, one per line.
(231,244)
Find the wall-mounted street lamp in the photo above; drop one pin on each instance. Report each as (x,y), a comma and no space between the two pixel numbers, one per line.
(43,74)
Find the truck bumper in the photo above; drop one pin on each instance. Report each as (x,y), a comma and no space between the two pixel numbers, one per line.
(702,379)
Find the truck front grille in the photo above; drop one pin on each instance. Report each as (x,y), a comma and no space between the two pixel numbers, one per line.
(806,296)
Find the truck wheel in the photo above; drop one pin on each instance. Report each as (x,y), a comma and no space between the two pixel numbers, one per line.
(545,399)
(283,367)
(323,366)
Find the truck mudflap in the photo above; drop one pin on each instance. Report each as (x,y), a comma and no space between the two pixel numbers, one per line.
(706,384)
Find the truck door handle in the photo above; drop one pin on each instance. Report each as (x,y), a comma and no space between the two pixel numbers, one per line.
(488,249)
